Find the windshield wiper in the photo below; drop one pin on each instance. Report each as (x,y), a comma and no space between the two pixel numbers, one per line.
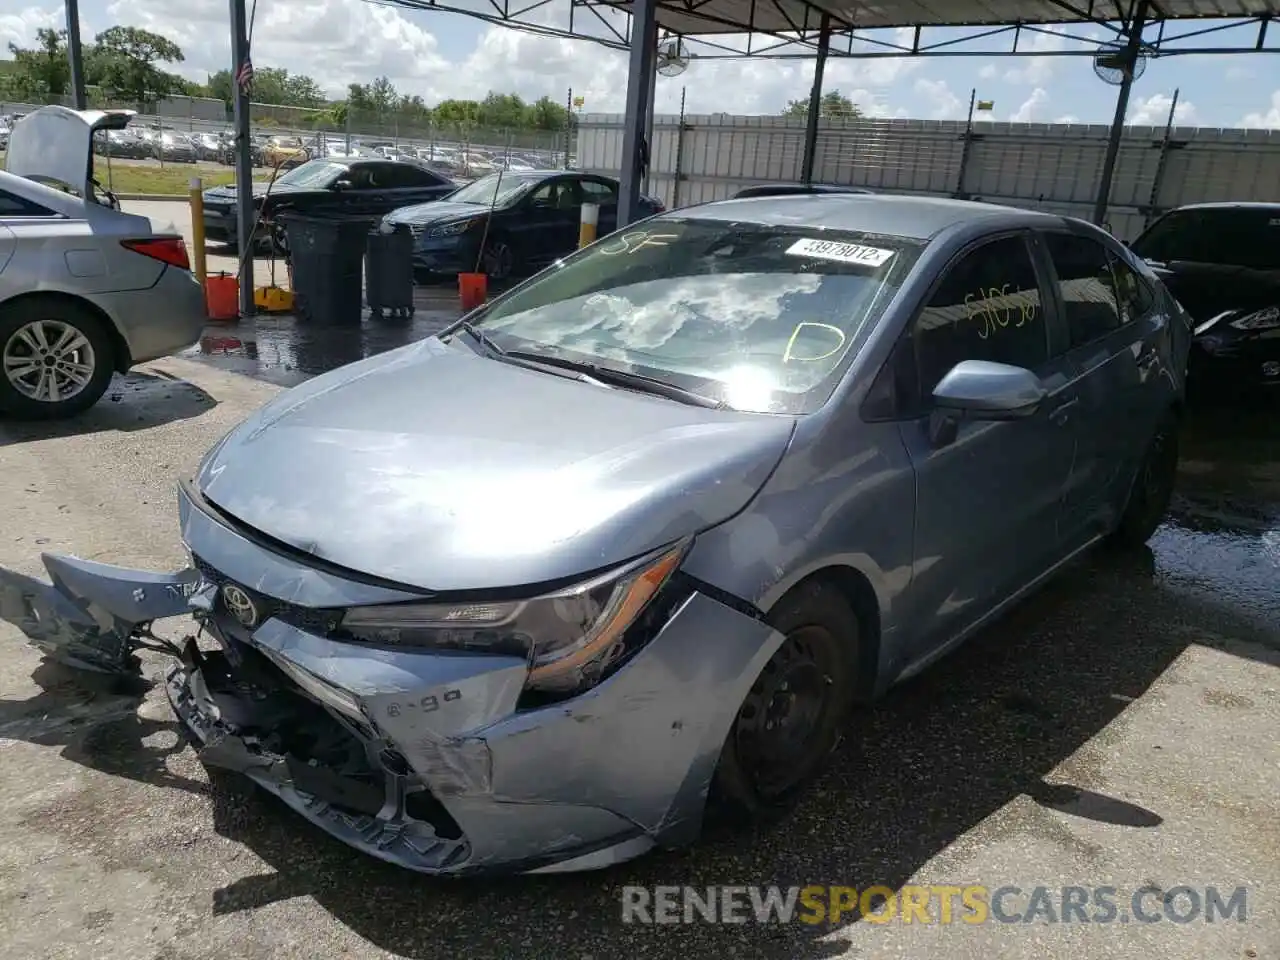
(624,378)
(481,337)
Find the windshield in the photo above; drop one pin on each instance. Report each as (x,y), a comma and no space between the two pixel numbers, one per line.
(483,190)
(1225,236)
(313,173)
(763,318)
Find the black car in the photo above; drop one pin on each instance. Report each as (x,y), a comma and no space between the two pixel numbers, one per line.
(1222,263)
(360,186)
(535,220)
(793,189)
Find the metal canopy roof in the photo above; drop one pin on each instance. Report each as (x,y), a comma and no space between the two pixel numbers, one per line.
(694,17)
(789,29)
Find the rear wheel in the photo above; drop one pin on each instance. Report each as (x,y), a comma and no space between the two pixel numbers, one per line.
(1152,487)
(791,720)
(55,359)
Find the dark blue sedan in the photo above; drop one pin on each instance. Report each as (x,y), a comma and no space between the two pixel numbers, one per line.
(533,219)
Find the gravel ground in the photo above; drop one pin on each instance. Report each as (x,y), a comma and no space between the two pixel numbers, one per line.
(1119,729)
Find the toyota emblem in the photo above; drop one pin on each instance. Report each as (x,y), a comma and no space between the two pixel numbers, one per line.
(240,605)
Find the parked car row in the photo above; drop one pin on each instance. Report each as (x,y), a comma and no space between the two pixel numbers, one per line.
(525,218)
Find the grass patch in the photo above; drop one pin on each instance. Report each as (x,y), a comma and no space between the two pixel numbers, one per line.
(173,179)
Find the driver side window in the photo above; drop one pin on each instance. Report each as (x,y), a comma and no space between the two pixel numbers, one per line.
(986,308)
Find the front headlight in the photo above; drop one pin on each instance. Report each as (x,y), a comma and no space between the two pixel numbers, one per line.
(451,229)
(1258,320)
(571,637)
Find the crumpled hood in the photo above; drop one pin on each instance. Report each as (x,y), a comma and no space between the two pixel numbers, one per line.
(435,467)
(436,211)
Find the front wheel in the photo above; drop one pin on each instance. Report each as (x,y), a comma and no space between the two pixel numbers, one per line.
(498,259)
(1152,487)
(55,360)
(791,719)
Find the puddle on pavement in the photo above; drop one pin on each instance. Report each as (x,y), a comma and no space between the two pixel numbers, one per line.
(1221,542)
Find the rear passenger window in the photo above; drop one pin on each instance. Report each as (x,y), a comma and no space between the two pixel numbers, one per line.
(1132,293)
(987,308)
(1085,283)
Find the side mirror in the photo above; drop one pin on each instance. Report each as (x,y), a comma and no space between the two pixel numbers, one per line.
(981,390)
(343,184)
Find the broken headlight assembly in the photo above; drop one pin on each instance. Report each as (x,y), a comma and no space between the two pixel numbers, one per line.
(571,638)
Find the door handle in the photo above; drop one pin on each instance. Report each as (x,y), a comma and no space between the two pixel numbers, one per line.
(1062,411)
(1146,360)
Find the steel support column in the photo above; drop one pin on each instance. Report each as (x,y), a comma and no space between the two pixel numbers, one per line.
(815,101)
(75,54)
(650,110)
(245,219)
(1133,43)
(643,58)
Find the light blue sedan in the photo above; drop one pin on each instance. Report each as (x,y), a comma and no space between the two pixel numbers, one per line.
(640,532)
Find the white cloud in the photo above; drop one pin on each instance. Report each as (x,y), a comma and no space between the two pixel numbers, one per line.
(1154,111)
(1269,120)
(1037,71)
(943,104)
(21,27)
(1030,107)
(1238,72)
(988,72)
(1067,118)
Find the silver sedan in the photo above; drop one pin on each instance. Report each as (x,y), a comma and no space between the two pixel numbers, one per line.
(85,291)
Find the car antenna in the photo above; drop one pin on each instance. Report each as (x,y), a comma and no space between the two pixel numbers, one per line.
(484,237)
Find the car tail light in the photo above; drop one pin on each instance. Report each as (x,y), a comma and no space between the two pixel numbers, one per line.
(170,250)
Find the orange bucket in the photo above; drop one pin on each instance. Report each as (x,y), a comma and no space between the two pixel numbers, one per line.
(473,290)
(222,297)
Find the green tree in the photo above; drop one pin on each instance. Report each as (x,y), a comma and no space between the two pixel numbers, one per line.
(456,113)
(835,106)
(546,114)
(128,62)
(43,70)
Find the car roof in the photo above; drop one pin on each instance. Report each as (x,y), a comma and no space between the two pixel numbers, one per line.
(1231,205)
(918,218)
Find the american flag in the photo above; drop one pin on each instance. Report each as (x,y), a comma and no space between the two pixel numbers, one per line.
(245,76)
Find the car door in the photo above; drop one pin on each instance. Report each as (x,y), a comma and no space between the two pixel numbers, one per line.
(988,494)
(546,225)
(1114,328)
(369,192)
(604,193)
(409,184)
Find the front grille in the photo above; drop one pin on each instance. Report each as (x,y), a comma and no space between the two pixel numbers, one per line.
(321,621)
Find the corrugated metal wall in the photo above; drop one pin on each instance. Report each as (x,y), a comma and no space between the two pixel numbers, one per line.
(1052,167)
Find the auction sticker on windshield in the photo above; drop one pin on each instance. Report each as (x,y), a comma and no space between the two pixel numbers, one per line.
(841,252)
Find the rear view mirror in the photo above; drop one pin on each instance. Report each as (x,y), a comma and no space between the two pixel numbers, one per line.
(343,184)
(981,390)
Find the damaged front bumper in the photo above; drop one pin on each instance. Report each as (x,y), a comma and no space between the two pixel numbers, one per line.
(427,759)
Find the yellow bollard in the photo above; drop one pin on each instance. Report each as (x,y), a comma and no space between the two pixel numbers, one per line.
(198,264)
(587,226)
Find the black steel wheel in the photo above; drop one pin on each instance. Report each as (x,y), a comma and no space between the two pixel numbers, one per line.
(791,719)
(1152,487)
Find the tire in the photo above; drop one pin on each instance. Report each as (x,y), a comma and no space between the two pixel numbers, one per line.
(499,259)
(818,657)
(1152,487)
(28,332)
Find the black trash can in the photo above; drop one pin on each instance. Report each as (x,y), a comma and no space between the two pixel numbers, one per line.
(388,272)
(326,257)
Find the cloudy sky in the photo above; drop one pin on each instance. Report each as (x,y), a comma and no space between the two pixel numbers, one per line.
(440,55)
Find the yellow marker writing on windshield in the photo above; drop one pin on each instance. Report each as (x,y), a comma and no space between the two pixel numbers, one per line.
(637,240)
(788,356)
